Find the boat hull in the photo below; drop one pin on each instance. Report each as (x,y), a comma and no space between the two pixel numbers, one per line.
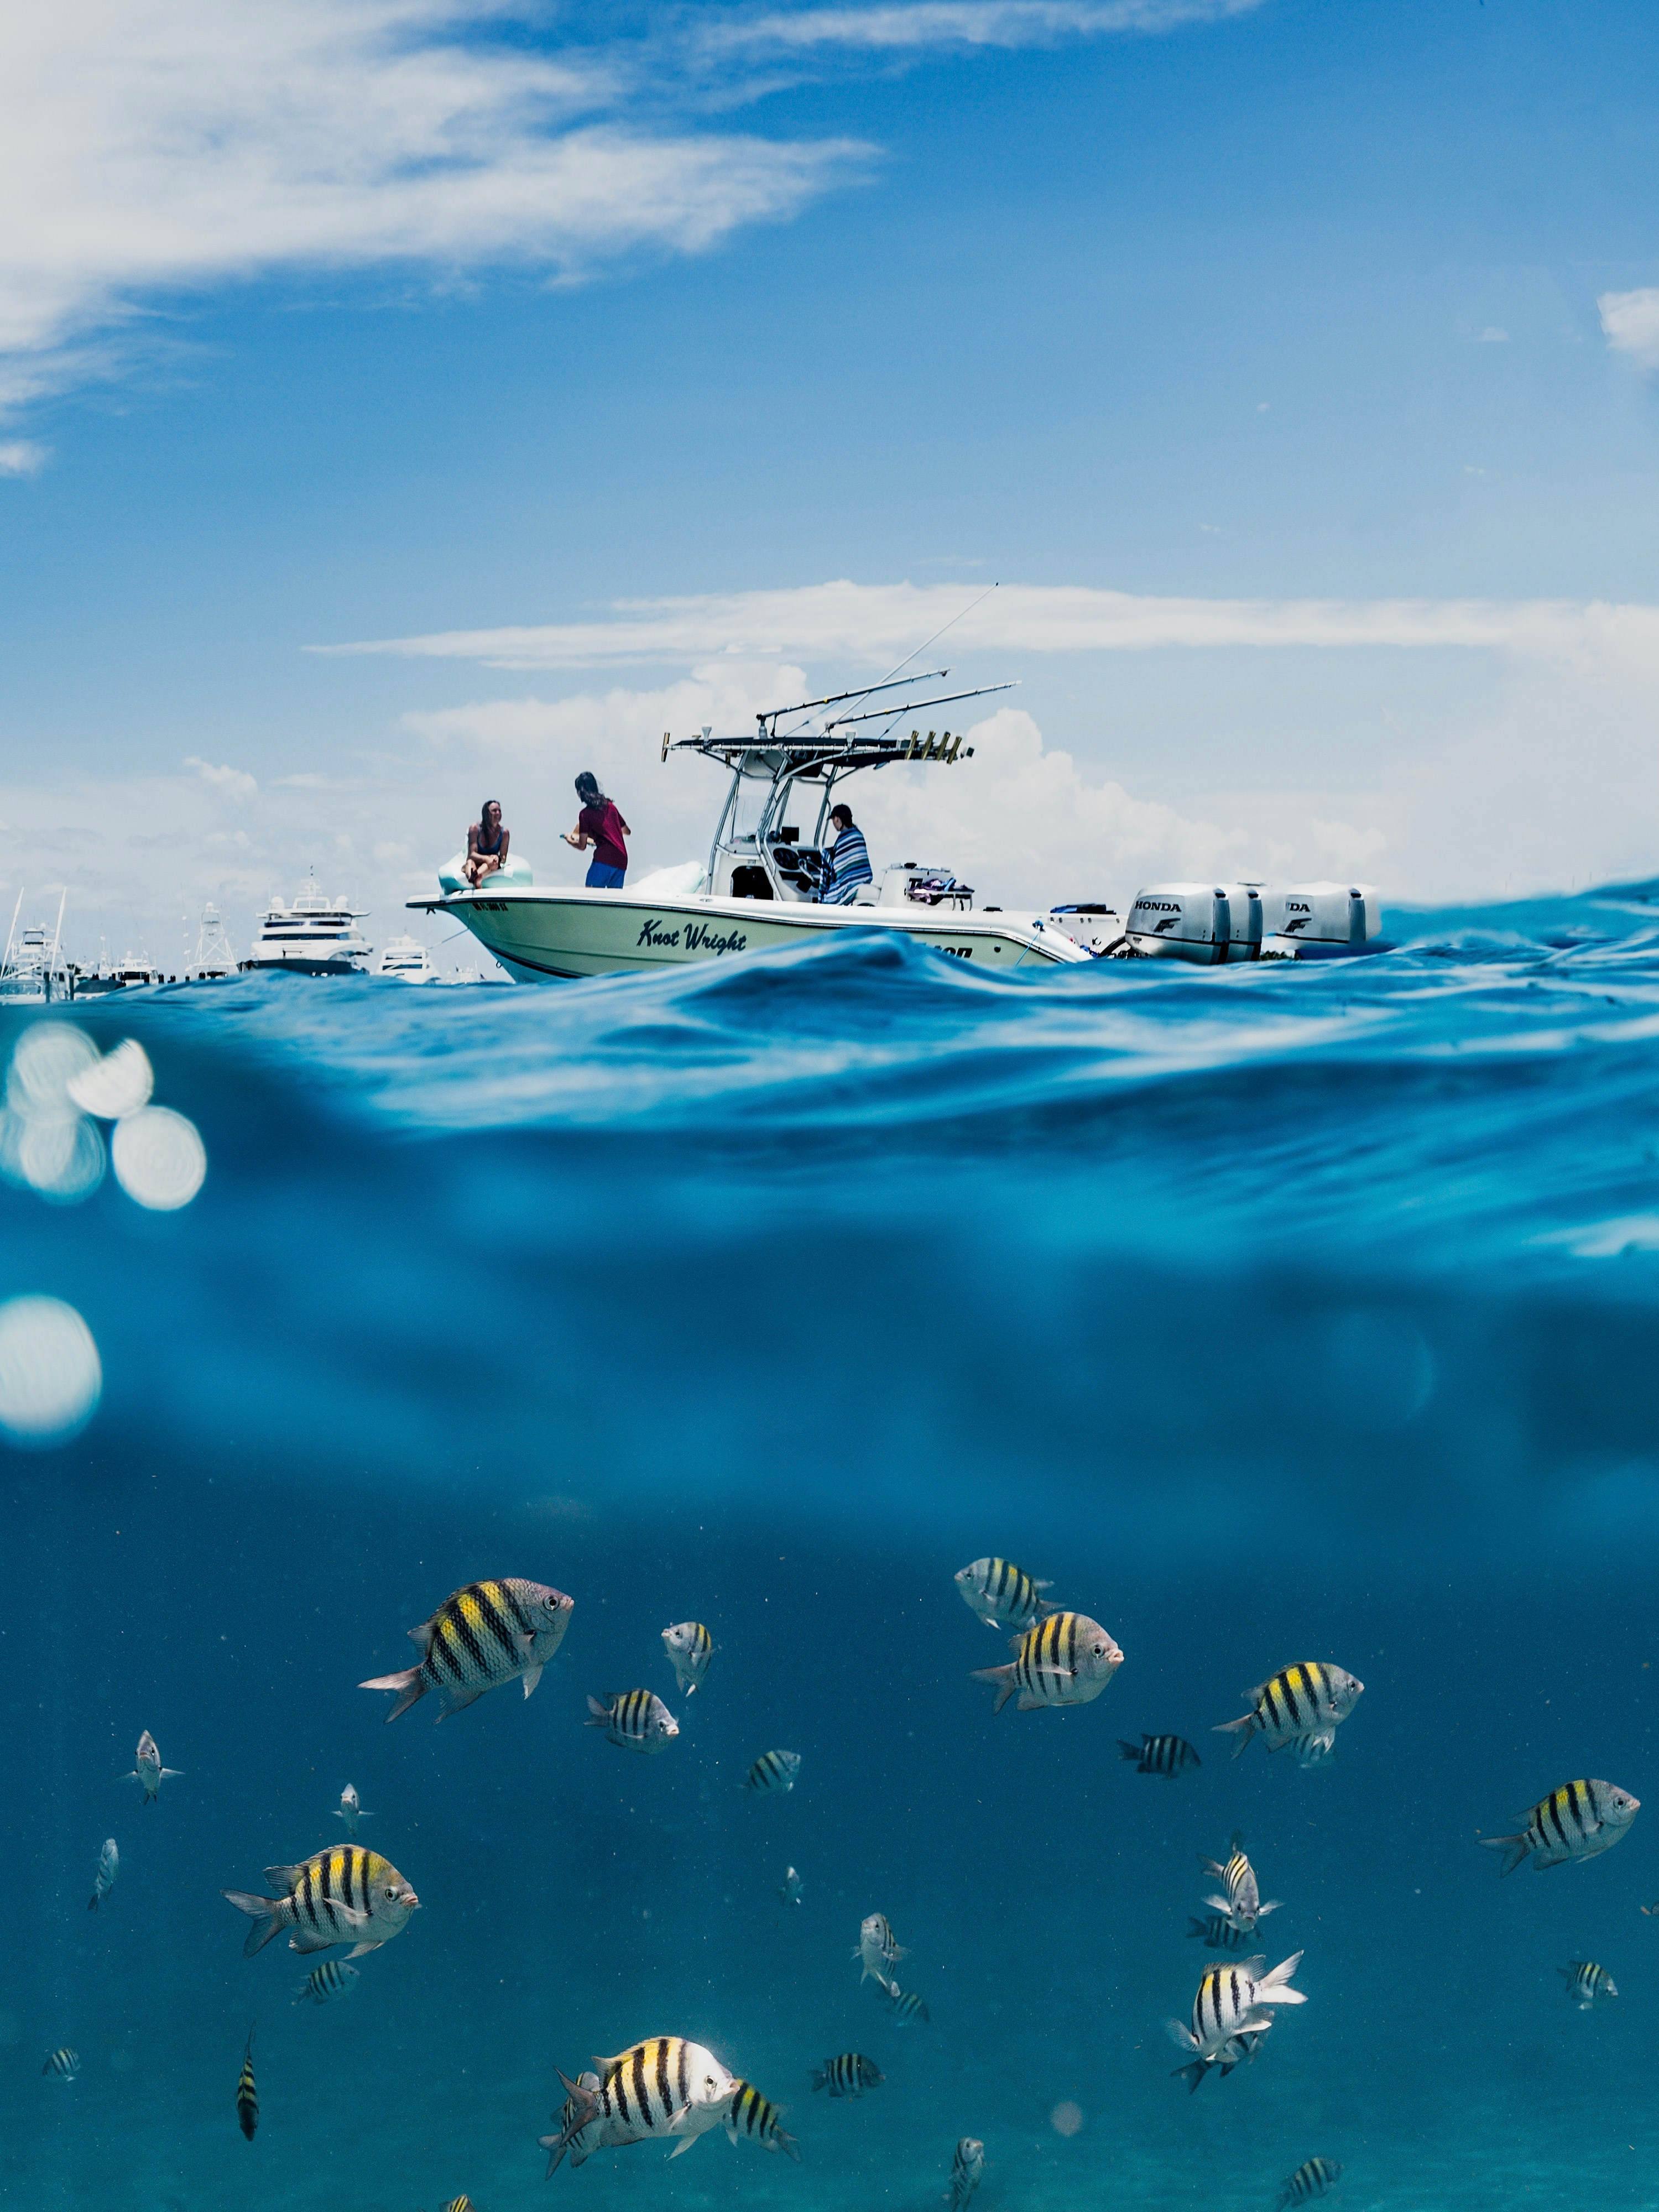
(561,936)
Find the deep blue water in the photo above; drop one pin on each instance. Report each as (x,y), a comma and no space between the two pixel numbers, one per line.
(1276,1313)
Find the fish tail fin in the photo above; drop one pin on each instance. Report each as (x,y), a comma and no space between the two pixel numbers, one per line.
(91,1902)
(410,1687)
(1193,2074)
(265,1910)
(1128,1751)
(1243,1728)
(1275,1988)
(1514,1847)
(787,2144)
(1181,2035)
(600,1712)
(819,2077)
(1003,1677)
(1196,1927)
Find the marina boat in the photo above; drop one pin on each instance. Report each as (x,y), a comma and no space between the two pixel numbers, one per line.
(130,972)
(408,960)
(31,968)
(213,959)
(315,936)
(758,890)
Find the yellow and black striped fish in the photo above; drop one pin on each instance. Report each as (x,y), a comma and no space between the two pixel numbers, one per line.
(248,2095)
(459,2204)
(333,1978)
(1300,1706)
(1242,1903)
(636,1719)
(966,2172)
(1311,2180)
(1002,1595)
(1168,1755)
(760,2119)
(1217,1933)
(1066,1660)
(1587,1983)
(774,1771)
(849,2075)
(346,1895)
(664,2087)
(689,1647)
(1573,1822)
(63,2065)
(479,1637)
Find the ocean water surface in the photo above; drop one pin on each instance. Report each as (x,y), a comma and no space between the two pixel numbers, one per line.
(1274,1314)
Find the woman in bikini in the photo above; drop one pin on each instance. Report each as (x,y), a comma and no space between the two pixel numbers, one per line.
(487,841)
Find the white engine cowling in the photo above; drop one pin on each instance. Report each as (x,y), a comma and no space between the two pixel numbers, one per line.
(1322,917)
(1207,923)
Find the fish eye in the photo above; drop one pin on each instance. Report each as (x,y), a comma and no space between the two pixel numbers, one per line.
(391,1893)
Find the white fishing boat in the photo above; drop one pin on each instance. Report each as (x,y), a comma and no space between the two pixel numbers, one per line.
(408,960)
(132,972)
(759,889)
(31,968)
(315,936)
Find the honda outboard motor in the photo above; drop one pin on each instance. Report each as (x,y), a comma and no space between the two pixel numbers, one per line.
(1318,921)
(1207,923)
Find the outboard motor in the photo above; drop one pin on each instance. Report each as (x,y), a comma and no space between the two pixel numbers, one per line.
(1318,921)
(1207,923)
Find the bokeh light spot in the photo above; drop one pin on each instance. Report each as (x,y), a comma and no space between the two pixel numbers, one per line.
(1065,2119)
(51,1379)
(159,1159)
(120,1083)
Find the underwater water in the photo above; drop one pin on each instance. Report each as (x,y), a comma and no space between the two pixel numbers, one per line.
(1274,1314)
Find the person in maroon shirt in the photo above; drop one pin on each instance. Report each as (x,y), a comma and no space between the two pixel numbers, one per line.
(600,824)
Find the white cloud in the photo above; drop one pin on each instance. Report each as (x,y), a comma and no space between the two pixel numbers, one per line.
(869,624)
(1630,321)
(229,783)
(912,24)
(21,457)
(1492,336)
(151,145)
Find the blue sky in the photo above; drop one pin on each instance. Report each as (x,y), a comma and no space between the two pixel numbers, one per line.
(335,325)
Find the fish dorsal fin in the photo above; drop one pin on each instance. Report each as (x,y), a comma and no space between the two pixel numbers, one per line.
(284,1877)
(423,1635)
(1255,1968)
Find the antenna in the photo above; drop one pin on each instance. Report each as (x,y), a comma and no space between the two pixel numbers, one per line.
(57,935)
(12,932)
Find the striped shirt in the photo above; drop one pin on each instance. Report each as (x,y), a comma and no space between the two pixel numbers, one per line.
(850,866)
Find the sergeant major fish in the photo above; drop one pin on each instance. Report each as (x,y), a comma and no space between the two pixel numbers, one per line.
(1300,1706)
(109,1869)
(905,2005)
(1002,1595)
(333,1978)
(878,1948)
(1587,1983)
(149,1773)
(636,1719)
(1168,1755)
(1311,2179)
(582,2140)
(1218,1932)
(966,2172)
(247,2094)
(664,2087)
(689,1647)
(1065,1660)
(772,1773)
(479,1637)
(849,2075)
(760,2120)
(789,1894)
(1241,1907)
(350,1810)
(347,1894)
(63,2065)
(1233,2005)
(1576,1821)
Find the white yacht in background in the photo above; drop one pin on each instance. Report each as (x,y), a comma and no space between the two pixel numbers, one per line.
(315,936)
(130,972)
(408,960)
(31,968)
(213,959)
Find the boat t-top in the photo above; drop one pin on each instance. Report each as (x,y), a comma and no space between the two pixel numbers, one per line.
(315,936)
(213,959)
(758,890)
(31,967)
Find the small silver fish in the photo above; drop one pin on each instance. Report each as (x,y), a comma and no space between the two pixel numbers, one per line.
(966,2172)
(638,1720)
(790,1893)
(1587,1983)
(689,1647)
(1217,1933)
(1002,1595)
(109,1868)
(350,1808)
(1241,1906)
(63,2065)
(772,1772)
(333,1978)
(150,1773)
(878,1948)
(1312,2179)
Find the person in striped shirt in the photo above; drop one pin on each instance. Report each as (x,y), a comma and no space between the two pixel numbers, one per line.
(849,860)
